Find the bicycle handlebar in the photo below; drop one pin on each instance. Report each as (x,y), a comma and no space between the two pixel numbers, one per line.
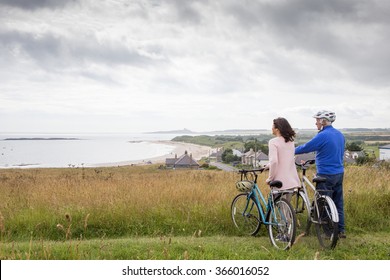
(307,162)
(243,171)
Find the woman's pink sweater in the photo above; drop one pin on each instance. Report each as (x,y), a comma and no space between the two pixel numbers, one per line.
(282,163)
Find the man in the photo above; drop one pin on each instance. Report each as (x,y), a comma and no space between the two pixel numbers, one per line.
(329,147)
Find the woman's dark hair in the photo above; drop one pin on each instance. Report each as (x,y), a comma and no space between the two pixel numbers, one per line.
(285,129)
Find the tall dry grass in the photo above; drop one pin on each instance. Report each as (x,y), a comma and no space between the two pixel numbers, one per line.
(367,198)
(82,203)
(54,203)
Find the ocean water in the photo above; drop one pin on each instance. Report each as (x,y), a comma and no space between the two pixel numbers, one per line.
(76,150)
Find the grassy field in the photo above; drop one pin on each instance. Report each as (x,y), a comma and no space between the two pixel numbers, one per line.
(145,213)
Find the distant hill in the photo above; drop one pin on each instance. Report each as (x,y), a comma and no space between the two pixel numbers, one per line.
(262,131)
(228,131)
(239,131)
(180,131)
(40,138)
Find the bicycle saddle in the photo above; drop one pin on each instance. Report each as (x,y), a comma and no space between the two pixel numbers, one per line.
(319,179)
(276,184)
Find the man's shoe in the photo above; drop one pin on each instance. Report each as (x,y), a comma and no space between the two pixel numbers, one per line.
(342,235)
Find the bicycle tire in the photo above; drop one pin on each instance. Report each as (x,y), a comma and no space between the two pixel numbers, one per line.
(302,210)
(282,224)
(326,228)
(246,219)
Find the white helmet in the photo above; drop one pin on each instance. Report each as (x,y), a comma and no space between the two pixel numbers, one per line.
(330,116)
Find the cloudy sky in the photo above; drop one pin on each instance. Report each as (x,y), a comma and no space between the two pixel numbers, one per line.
(147,65)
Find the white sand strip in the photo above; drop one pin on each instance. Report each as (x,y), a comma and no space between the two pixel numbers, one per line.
(197,152)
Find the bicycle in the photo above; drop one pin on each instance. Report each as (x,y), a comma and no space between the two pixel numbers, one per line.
(320,211)
(248,213)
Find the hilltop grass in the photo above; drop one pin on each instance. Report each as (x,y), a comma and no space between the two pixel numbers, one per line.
(146,213)
(218,247)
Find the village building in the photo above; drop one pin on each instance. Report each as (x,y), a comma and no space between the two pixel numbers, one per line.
(384,152)
(301,158)
(262,158)
(184,161)
(216,155)
(237,153)
(352,156)
(248,158)
(254,158)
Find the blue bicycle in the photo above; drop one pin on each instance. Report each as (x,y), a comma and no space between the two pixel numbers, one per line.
(248,212)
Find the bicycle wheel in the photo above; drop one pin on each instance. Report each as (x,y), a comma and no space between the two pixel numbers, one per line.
(282,224)
(326,228)
(302,210)
(246,214)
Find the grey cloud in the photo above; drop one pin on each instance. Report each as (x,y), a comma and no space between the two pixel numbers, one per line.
(39,49)
(186,11)
(296,14)
(104,79)
(352,34)
(51,51)
(36,4)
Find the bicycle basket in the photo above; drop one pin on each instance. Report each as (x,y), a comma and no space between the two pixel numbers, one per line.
(245,186)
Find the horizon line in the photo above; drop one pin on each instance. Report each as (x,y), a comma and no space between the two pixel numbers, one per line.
(179,131)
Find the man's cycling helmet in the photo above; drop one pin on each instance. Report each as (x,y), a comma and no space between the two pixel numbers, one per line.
(330,116)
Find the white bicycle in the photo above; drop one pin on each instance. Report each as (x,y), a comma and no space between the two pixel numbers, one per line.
(320,211)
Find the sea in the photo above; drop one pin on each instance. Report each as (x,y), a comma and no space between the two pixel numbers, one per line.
(26,150)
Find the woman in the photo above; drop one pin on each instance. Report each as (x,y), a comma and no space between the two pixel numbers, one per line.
(281,155)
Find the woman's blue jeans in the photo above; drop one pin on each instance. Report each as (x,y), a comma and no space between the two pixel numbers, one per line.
(334,184)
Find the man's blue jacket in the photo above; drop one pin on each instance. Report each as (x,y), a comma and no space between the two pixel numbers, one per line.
(329,147)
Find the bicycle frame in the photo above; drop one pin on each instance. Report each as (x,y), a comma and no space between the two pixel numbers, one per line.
(317,194)
(251,208)
(259,199)
(321,209)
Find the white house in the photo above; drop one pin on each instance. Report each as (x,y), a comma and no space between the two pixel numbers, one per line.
(237,153)
(384,152)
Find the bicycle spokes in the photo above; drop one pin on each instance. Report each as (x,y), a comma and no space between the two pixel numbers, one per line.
(281,226)
(245,215)
(326,228)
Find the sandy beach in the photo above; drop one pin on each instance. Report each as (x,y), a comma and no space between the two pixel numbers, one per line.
(197,152)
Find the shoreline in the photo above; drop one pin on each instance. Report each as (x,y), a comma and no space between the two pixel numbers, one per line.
(179,148)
